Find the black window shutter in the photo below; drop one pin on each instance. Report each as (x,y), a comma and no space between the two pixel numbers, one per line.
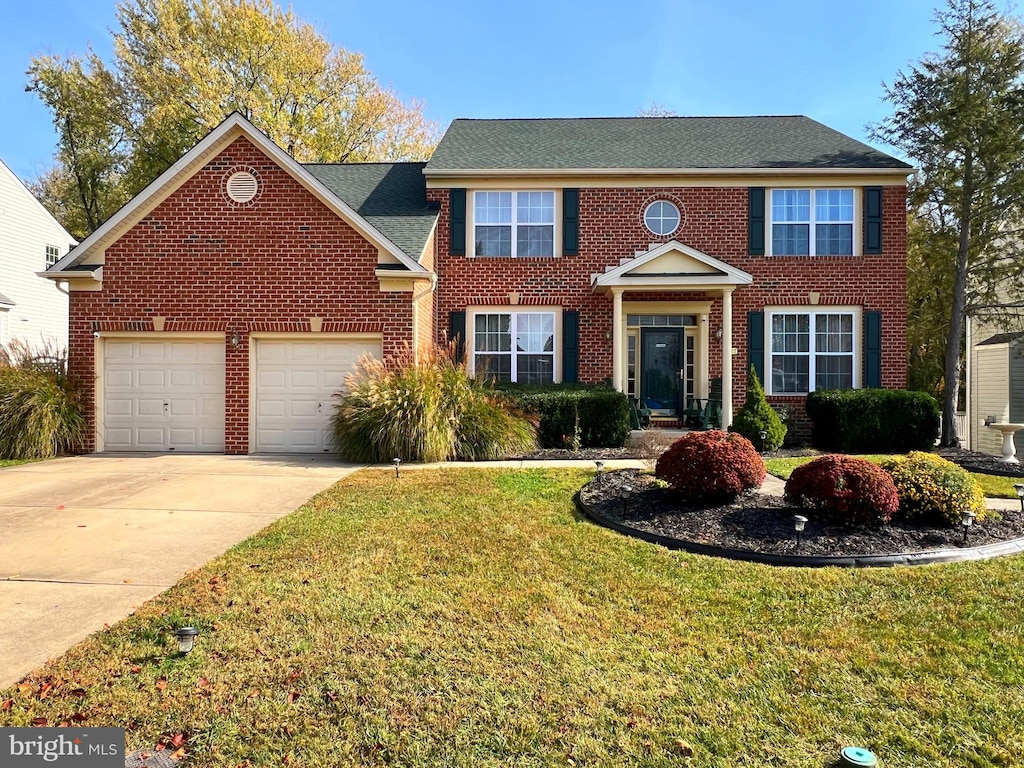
(755,208)
(457,333)
(873,349)
(570,222)
(755,344)
(457,238)
(570,347)
(872,219)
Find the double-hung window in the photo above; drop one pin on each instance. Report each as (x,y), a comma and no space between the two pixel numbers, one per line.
(52,255)
(515,346)
(812,222)
(514,224)
(810,351)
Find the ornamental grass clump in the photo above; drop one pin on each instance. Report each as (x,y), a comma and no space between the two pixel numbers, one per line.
(843,489)
(40,405)
(424,409)
(933,490)
(711,466)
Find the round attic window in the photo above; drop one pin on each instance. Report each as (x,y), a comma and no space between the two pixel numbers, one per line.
(661,217)
(242,186)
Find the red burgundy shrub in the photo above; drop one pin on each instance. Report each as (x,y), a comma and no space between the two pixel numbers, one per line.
(711,466)
(844,490)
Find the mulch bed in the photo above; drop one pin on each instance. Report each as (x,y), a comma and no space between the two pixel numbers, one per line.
(981,462)
(764,523)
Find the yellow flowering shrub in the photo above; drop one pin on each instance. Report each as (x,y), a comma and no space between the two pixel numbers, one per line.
(934,490)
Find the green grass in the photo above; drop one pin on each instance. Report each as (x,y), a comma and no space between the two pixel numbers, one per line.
(13,462)
(471,618)
(994,486)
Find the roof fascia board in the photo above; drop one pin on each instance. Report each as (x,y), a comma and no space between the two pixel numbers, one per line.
(477,172)
(233,126)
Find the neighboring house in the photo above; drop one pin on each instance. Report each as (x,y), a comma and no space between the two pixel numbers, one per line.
(222,307)
(32,308)
(995,383)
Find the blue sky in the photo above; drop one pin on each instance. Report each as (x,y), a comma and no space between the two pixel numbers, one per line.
(548,58)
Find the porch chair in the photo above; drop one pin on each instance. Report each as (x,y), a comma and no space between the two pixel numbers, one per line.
(712,416)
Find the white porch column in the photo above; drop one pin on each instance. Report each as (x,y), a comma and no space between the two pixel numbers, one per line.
(726,358)
(618,345)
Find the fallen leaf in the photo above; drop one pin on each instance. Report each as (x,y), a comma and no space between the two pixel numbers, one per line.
(80,692)
(161,683)
(39,722)
(6,705)
(78,717)
(684,747)
(202,682)
(178,754)
(254,693)
(44,690)
(293,697)
(63,724)
(24,688)
(295,675)
(331,696)
(178,740)
(136,670)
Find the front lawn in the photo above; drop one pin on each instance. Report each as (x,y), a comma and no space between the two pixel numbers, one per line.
(995,486)
(471,618)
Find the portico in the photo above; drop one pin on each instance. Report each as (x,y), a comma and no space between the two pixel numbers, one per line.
(661,348)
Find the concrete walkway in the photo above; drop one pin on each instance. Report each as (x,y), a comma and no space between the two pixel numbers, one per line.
(85,540)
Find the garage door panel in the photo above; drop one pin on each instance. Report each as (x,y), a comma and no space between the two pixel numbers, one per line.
(295,384)
(163,395)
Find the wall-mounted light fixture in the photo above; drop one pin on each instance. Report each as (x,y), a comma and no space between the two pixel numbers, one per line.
(235,340)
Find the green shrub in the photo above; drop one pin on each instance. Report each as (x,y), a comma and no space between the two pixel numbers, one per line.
(711,466)
(424,410)
(40,405)
(757,416)
(844,489)
(934,491)
(575,416)
(873,420)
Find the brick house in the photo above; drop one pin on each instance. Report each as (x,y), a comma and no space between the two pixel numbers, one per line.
(222,307)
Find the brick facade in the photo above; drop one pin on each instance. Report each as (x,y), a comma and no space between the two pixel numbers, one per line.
(714,220)
(206,263)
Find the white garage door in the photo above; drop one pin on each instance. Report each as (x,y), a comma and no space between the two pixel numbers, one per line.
(163,395)
(295,384)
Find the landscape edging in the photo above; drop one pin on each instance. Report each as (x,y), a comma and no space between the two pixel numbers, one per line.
(929,557)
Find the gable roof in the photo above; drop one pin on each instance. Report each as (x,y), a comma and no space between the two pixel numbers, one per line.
(195,159)
(670,264)
(1002,338)
(390,196)
(652,143)
(28,194)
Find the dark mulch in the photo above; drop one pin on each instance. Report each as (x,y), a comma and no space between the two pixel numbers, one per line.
(981,462)
(764,523)
(563,454)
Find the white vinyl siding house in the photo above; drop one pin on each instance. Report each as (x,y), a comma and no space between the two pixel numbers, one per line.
(32,308)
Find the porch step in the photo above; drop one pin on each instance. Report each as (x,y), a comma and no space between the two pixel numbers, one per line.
(665,423)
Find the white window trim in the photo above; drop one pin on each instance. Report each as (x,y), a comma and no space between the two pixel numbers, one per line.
(679,217)
(556,247)
(818,309)
(57,255)
(472,312)
(858,194)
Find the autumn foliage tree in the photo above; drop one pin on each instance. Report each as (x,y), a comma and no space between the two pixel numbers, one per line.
(179,68)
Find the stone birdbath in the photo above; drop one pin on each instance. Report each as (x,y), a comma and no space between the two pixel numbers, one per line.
(1009,449)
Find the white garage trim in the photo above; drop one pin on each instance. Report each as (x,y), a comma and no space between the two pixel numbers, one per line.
(103,380)
(269,388)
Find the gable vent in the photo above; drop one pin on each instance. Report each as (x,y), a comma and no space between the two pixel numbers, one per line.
(242,186)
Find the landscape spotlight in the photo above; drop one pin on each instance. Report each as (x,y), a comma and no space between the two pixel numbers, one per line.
(799,523)
(397,462)
(600,469)
(626,490)
(967,520)
(764,436)
(1020,494)
(186,638)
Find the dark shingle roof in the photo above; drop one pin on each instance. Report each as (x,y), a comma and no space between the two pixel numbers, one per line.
(1002,338)
(652,143)
(392,197)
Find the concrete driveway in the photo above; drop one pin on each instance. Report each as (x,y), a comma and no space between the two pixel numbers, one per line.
(85,540)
